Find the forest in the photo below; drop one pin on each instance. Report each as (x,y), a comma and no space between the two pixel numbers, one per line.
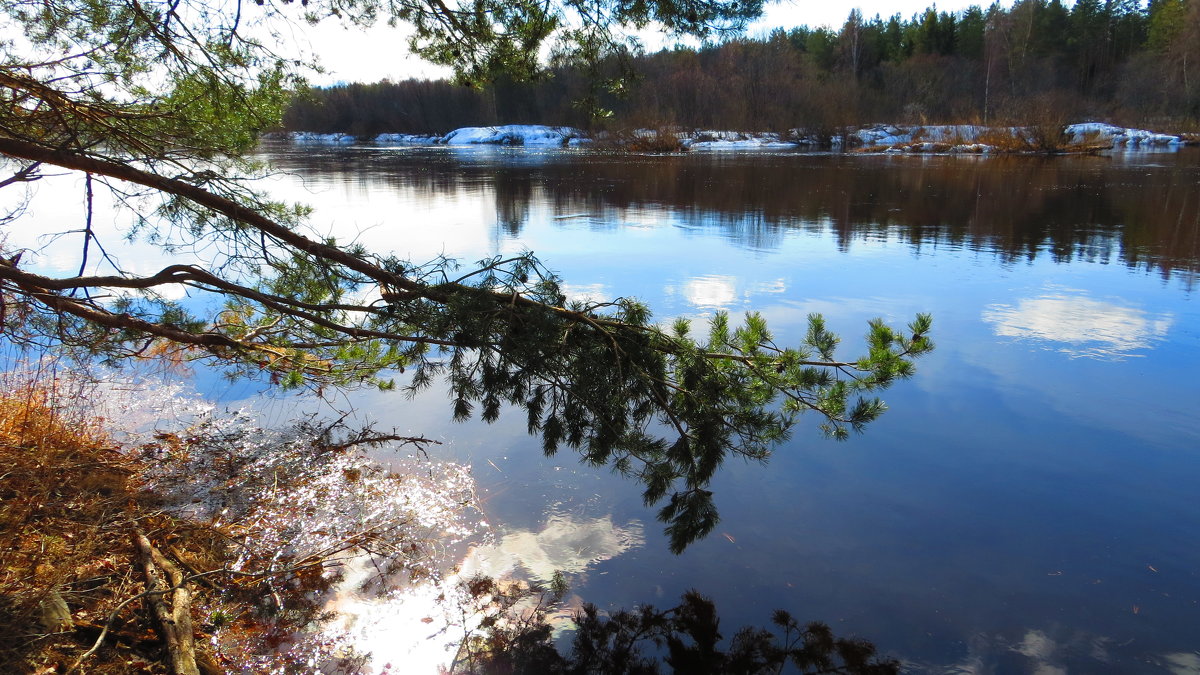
(1037,61)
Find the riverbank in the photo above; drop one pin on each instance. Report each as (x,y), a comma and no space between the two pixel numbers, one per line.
(147,529)
(876,138)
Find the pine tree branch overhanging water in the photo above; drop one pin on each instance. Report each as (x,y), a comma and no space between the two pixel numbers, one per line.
(152,107)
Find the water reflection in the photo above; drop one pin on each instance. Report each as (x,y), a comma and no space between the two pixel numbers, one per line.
(563,544)
(1006,459)
(513,191)
(418,626)
(1056,651)
(1086,209)
(587,292)
(1078,325)
(711,291)
(1182,663)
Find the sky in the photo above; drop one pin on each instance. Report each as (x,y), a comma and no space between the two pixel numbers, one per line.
(370,56)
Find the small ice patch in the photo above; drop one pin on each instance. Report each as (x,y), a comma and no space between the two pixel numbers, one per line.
(734,140)
(1119,136)
(312,137)
(406,139)
(513,134)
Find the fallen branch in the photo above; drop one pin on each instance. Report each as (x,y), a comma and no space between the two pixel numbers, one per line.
(197,576)
(175,623)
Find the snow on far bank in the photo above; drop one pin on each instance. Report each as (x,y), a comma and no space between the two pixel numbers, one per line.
(406,139)
(890,134)
(733,140)
(509,134)
(313,137)
(514,134)
(1119,136)
(967,138)
(949,138)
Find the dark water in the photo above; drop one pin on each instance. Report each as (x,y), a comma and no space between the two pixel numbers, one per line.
(1031,502)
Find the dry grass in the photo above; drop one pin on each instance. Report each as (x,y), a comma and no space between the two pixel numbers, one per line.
(1006,140)
(70,501)
(660,139)
(67,496)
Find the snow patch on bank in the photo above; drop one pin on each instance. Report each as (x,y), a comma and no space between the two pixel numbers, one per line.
(733,140)
(946,138)
(969,138)
(890,134)
(324,139)
(1120,136)
(406,139)
(539,135)
(514,134)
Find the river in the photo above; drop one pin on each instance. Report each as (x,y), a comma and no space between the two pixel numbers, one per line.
(1028,503)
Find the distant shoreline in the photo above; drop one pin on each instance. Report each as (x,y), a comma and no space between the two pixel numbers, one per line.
(1085,137)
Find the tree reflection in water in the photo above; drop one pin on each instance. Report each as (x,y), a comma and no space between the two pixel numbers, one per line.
(1015,208)
(683,639)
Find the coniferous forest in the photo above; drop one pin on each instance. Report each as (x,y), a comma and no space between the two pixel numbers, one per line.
(1038,61)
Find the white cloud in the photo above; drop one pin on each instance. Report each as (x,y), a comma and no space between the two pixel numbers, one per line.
(368,55)
(1075,324)
(790,13)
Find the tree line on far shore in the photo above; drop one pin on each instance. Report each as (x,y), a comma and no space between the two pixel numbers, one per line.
(1034,62)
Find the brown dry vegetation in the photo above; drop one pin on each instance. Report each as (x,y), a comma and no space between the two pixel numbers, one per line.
(661,139)
(71,507)
(67,499)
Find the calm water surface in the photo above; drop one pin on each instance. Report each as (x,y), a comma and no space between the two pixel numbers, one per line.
(1029,502)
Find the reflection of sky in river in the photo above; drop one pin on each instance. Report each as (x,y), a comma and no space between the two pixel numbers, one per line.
(1075,324)
(564,544)
(1009,503)
(980,512)
(415,627)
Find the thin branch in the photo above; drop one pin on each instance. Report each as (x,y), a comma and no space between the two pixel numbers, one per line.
(26,174)
(108,624)
(248,216)
(742,358)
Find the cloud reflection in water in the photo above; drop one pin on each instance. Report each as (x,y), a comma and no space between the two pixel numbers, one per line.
(419,628)
(1079,325)
(713,291)
(1058,651)
(564,544)
(592,293)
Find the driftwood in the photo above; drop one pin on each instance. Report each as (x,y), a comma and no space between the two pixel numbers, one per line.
(176,622)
